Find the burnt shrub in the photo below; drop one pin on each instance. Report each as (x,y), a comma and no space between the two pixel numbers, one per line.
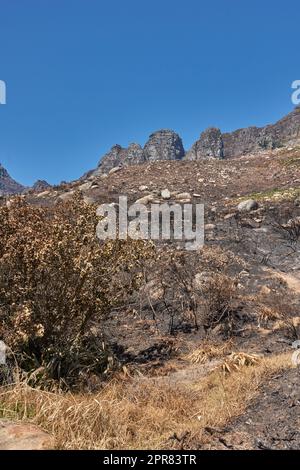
(57,284)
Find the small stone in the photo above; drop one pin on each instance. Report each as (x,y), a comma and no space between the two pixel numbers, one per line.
(43,194)
(183,196)
(115,170)
(165,194)
(145,199)
(230,216)
(209,227)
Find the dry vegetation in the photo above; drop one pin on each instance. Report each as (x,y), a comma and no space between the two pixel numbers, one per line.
(57,284)
(60,293)
(127,414)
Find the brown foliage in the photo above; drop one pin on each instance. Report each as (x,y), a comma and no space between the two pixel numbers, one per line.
(57,283)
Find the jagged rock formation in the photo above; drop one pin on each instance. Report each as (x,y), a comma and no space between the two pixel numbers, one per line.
(167,145)
(40,185)
(7,184)
(214,144)
(164,145)
(254,139)
(119,156)
(210,145)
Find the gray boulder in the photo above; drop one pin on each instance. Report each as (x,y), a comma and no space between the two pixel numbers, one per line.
(247,206)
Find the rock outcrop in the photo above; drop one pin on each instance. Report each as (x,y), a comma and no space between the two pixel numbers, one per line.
(164,145)
(40,186)
(214,144)
(254,139)
(7,184)
(167,145)
(210,145)
(120,156)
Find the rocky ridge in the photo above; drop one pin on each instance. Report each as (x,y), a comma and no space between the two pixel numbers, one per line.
(162,145)
(167,144)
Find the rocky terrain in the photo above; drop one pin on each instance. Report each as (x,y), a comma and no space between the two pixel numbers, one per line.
(230,384)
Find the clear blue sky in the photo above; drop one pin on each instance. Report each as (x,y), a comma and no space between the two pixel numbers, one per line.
(83,75)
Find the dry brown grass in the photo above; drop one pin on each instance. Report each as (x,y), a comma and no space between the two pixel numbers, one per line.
(208,351)
(129,414)
(236,360)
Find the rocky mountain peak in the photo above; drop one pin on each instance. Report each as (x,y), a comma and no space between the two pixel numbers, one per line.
(41,185)
(7,184)
(164,144)
(210,145)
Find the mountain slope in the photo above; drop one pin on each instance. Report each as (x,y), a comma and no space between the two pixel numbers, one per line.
(7,184)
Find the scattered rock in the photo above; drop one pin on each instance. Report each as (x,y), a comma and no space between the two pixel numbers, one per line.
(114,170)
(247,206)
(145,199)
(165,194)
(230,216)
(43,194)
(209,227)
(183,196)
